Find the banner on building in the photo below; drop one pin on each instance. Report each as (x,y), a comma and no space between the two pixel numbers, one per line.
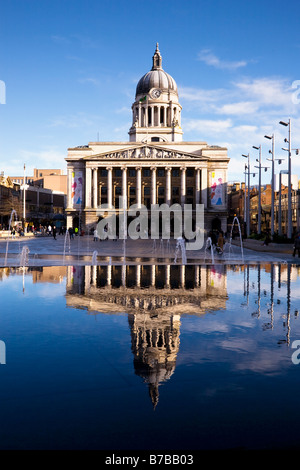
(216,189)
(77,188)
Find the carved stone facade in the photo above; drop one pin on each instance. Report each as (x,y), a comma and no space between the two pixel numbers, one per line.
(154,167)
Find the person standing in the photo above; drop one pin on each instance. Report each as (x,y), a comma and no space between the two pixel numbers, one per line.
(297,245)
(54,232)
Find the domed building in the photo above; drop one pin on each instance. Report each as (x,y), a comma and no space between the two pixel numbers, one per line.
(154,167)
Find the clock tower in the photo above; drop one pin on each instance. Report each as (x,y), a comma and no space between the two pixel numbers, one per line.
(156,112)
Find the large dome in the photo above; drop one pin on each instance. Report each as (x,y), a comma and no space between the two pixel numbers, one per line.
(156,78)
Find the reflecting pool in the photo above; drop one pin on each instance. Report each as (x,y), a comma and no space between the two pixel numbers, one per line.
(150,357)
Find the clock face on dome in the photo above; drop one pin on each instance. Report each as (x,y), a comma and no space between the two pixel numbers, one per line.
(155,93)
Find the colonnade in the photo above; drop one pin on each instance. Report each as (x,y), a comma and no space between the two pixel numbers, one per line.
(92,185)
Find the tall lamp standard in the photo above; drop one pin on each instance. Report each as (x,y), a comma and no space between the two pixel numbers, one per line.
(273,159)
(259,187)
(272,182)
(24,199)
(289,228)
(248,198)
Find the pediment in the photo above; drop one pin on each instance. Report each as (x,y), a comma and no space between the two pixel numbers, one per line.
(144,152)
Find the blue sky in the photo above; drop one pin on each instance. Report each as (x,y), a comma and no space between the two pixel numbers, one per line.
(71,67)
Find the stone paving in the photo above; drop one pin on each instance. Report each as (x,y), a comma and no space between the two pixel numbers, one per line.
(42,251)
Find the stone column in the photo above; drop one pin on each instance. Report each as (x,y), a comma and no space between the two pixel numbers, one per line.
(153,275)
(95,184)
(88,188)
(204,187)
(140,115)
(109,187)
(183,186)
(153,185)
(165,116)
(139,186)
(138,275)
(168,185)
(70,202)
(198,186)
(124,187)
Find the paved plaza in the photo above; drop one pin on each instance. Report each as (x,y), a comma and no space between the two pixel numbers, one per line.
(42,251)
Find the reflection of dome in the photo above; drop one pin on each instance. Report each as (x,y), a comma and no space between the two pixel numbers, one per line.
(156,78)
(155,344)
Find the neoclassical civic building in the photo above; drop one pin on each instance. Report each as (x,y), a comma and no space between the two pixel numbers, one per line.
(154,167)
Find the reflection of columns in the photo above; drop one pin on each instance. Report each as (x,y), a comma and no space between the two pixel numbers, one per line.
(95,184)
(204,187)
(109,187)
(87,279)
(198,185)
(139,186)
(153,185)
(94,275)
(168,186)
(183,186)
(124,187)
(88,184)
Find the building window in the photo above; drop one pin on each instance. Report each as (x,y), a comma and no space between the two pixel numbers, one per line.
(175,191)
(161,191)
(175,172)
(146,172)
(118,173)
(103,190)
(132,191)
(118,191)
(146,191)
(131,172)
(190,191)
(103,172)
(190,172)
(160,172)
(154,139)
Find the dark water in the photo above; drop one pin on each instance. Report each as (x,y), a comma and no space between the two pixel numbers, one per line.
(150,357)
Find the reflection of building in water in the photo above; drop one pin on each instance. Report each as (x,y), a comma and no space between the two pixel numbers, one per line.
(154,298)
(155,345)
(174,288)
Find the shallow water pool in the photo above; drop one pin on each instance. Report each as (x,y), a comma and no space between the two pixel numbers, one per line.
(150,357)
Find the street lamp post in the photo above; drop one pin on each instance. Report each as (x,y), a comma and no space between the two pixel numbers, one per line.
(272,182)
(24,200)
(248,201)
(248,195)
(259,187)
(289,228)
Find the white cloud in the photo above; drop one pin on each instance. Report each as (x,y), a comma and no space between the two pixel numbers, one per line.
(207,126)
(209,58)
